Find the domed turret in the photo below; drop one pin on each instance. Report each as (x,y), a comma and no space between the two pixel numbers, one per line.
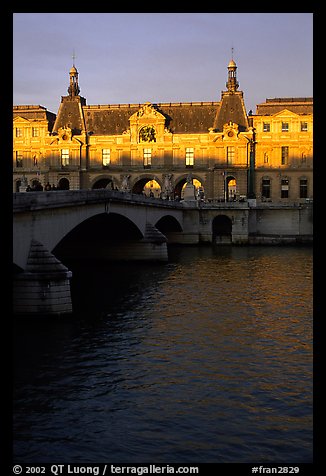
(232,83)
(73,89)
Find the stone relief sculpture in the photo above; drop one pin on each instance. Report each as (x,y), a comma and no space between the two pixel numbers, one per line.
(147,110)
(167,186)
(125,185)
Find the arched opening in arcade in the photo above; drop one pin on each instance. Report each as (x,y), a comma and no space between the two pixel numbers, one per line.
(36,185)
(222,230)
(181,185)
(147,186)
(230,188)
(103,183)
(63,184)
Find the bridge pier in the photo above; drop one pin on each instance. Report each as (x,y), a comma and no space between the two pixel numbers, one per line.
(43,288)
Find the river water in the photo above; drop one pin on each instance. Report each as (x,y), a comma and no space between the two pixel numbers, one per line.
(204,359)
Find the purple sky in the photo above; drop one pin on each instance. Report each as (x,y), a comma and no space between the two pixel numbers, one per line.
(161,57)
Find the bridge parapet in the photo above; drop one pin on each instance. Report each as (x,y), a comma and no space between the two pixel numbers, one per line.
(62,198)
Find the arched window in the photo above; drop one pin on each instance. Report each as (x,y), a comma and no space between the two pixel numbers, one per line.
(147,134)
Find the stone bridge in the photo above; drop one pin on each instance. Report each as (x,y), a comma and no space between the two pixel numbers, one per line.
(64,221)
(52,228)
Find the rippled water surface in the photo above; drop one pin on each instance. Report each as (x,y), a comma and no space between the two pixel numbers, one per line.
(205,359)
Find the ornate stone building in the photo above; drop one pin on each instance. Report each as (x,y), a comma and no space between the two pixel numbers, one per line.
(155,148)
(284,149)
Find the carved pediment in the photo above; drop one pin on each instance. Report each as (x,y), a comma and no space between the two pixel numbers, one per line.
(65,133)
(286,113)
(147,124)
(147,111)
(20,120)
(65,136)
(230,130)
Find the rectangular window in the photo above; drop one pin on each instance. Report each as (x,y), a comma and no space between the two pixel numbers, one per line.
(19,159)
(285,127)
(147,158)
(230,152)
(304,126)
(64,157)
(19,132)
(266,127)
(285,155)
(303,188)
(190,157)
(106,157)
(266,188)
(284,188)
(35,132)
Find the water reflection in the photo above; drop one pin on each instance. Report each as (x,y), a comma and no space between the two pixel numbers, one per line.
(207,358)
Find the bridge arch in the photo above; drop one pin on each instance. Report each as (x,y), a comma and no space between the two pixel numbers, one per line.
(97,237)
(58,214)
(170,227)
(222,229)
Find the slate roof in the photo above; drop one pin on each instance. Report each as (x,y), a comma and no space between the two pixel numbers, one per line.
(196,117)
(232,109)
(70,114)
(34,113)
(275,105)
(192,117)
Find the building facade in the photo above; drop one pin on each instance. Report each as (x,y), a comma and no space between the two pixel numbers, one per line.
(157,148)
